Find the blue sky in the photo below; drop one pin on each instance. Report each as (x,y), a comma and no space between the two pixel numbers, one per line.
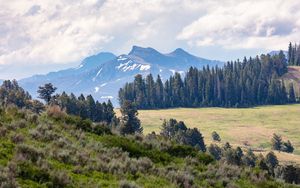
(38,36)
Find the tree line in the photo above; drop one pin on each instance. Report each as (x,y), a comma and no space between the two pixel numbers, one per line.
(84,107)
(294,54)
(253,81)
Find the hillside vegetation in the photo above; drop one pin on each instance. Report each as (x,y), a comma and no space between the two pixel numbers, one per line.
(52,150)
(44,146)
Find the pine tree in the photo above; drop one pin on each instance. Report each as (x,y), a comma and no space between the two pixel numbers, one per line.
(91,107)
(271,160)
(292,97)
(290,53)
(159,89)
(215,136)
(46,91)
(110,112)
(129,123)
(276,142)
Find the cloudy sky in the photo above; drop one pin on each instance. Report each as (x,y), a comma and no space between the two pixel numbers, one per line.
(37,36)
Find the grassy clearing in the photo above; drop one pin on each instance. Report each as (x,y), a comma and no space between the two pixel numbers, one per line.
(248,126)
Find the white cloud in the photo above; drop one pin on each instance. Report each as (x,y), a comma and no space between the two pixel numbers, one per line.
(43,32)
(246,24)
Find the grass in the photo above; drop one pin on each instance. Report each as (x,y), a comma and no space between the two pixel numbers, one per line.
(239,126)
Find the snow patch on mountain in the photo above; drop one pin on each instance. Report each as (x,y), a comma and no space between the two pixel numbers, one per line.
(145,67)
(102,85)
(107,97)
(98,73)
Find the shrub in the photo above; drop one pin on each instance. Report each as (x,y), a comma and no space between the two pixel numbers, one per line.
(127,184)
(3,131)
(215,136)
(101,128)
(27,170)
(29,152)
(215,151)
(271,160)
(183,179)
(287,147)
(60,179)
(249,159)
(55,112)
(17,138)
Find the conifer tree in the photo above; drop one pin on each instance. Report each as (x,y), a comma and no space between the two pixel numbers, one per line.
(292,97)
(129,122)
(276,142)
(46,91)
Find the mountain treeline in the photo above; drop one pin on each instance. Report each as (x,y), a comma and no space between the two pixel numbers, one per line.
(85,107)
(294,54)
(254,81)
(12,94)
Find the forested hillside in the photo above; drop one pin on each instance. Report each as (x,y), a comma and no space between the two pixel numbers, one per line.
(251,82)
(294,54)
(44,145)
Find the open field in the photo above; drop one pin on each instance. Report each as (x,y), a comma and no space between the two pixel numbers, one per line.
(253,127)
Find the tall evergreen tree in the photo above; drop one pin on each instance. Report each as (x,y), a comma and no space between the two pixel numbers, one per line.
(292,97)
(129,122)
(46,91)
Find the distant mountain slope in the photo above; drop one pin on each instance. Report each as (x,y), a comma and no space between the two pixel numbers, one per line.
(277,52)
(103,74)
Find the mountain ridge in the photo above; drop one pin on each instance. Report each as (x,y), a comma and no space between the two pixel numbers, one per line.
(104,73)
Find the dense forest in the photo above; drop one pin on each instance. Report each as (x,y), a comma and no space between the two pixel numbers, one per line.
(253,81)
(294,54)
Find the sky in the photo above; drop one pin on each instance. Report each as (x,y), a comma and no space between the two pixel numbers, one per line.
(38,36)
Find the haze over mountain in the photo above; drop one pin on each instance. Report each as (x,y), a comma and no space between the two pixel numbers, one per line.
(103,74)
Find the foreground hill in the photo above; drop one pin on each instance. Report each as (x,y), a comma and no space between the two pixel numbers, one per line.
(57,150)
(248,127)
(103,74)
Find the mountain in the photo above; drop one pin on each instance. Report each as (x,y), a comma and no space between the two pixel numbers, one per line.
(103,74)
(275,52)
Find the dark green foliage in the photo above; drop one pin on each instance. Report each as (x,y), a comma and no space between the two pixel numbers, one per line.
(129,122)
(178,132)
(12,94)
(278,144)
(215,136)
(287,147)
(86,107)
(29,171)
(227,146)
(238,84)
(45,92)
(215,151)
(271,160)
(249,159)
(294,54)
(288,173)
(233,156)
(136,149)
(292,97)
